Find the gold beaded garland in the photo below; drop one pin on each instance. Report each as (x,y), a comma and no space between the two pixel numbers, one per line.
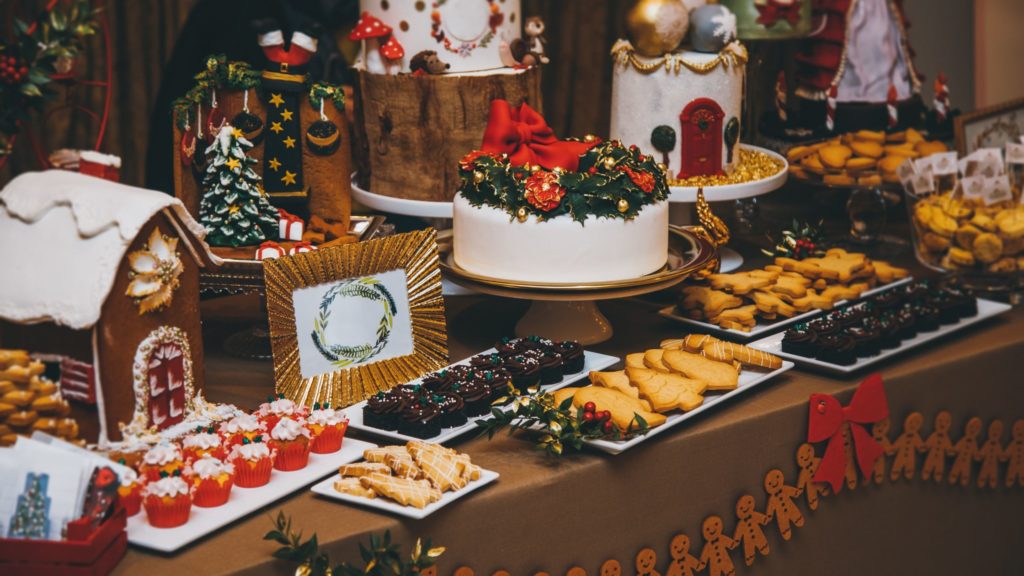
(623,205)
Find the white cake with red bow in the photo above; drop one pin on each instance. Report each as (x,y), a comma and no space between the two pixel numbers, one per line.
(535,209)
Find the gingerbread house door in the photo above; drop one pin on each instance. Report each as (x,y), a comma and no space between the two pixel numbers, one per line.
(701,143)
(166,385)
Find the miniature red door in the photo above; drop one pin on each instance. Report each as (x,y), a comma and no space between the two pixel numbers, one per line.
(166,385)
(701,142)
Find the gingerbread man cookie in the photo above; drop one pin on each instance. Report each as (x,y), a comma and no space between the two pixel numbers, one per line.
(683,563)
(781,507)
(1015,456)
(748,529)
(850,472)
(715,554)
(576,571)
(991,454)
(938,446)
(880,432)
(645,562)
(805,482)
(966,450)
(611,568)
(906,448)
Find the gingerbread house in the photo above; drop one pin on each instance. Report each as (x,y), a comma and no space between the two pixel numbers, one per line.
(105,277)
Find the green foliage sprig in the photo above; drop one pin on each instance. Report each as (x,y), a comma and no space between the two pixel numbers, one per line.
(560,426)
(612,181)
(805,240)
(380,558)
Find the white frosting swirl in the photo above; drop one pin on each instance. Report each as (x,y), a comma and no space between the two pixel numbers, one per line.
(211,468)
(288,429)
(128,477)
(244,423)
(251,452)
(201,441)
(162,454)
(327,417)
(167,487)
(279,407)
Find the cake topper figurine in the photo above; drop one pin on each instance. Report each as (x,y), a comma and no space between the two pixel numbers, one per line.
(534,30)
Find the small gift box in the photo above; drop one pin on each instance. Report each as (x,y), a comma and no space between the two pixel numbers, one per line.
(100,165)
(300,247)
(269,249)
(291,226)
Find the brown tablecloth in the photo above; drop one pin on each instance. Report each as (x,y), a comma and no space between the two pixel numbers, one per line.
(549,515)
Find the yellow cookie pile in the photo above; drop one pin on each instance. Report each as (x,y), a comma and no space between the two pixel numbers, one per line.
(964,234)
(865,158)
(784,289)
(30,402)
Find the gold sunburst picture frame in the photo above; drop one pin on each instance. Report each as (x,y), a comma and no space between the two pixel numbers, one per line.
(349,321)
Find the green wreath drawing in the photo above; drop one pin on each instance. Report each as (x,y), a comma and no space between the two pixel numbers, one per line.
(367,288)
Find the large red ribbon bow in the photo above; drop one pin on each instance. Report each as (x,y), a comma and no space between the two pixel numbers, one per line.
(826,421)
(523,134)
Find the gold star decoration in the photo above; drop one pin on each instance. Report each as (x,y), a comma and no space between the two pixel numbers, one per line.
(236,132)
(289,177)
(233,164)
(274,164)
(286,114)
(276,127)
(289,142)
(232,209)
(276,99)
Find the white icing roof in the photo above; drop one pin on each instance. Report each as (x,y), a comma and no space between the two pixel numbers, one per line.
(62,238)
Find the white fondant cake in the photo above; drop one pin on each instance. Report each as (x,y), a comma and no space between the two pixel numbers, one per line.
(697,95)
(490,242)
(466,34)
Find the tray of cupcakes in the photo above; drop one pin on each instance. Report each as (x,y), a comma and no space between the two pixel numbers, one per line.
(184,489)
(862,334)
(446,404)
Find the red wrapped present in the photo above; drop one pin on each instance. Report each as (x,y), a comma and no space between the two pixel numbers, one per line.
(300,247)
(269,249)
(291,226)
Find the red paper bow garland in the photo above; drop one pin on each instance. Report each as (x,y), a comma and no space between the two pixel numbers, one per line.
(826,420)
(523,134)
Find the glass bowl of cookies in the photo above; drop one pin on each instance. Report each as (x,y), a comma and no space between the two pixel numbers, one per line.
(981,242)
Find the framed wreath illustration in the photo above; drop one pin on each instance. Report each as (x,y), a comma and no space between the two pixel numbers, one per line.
(349,321)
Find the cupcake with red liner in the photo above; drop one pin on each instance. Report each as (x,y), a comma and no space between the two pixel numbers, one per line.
(240,428)
(211,482)
(167,501)
(202,443)
(291,440)
(279,407)
(253,462)
(162,459)
(327,426)
(130,491)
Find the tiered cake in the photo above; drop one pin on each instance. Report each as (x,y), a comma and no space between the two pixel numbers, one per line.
(434,64)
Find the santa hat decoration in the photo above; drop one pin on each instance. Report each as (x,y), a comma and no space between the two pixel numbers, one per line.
(297,51)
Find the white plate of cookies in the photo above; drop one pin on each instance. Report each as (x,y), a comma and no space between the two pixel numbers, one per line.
(414,480)
(746,306)
(674,383)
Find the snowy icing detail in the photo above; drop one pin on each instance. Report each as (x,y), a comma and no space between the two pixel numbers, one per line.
(211,468)
(725,26)
(288,429)
(279,407)
(162,454)
(251,452)
(128,477)
(244,423)
(167,487)
(202,441)
(326,417)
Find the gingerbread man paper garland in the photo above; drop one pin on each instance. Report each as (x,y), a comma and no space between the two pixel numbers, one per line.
(937,447)
(748,529)
(966,451)
(805,481)
(906,448)
(683,563)
(781,507)
(991,454)
(715,555)
(1015,456)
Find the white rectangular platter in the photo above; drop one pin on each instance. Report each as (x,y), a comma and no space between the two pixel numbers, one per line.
(242,502)
(764,327)
(749,379)
(326,488)
(354,413)
(986,309)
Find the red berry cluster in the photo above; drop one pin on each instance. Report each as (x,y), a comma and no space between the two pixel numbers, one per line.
(804,247)
(11,70)
(603,418)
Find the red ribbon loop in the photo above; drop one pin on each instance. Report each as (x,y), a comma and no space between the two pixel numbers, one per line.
(523,134)
(827,416)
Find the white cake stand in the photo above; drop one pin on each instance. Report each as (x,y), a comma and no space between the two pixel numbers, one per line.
(569,311)
(421,208)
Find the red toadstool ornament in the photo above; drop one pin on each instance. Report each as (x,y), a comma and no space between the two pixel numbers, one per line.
(370,30)
(392,49)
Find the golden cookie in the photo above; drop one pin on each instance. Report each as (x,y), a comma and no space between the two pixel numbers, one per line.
(797,153)
(813,164)
(795,286)
(717,375)
(935,243)
(838,179)
(623,408)
(984,222)
(887,273)
(870,136)
(904,150)
(965,236)
(942,224)
(667,392)
(635,360)
(711,302)
(1003,265)
(738,283)
(869,180)
(771,303)
(927,148)
(741,318)
(960,256)
(987,247)
(729,351)
(835,156)
(652,360)
(1012,224)
(891,163)
(912,136)
(812,300)
(867,149)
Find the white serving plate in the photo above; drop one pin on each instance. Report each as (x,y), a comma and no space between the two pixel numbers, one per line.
(767,327)
(749,379)
(354,413)
(736,191)
(986,310)
(242,502)
(326,488)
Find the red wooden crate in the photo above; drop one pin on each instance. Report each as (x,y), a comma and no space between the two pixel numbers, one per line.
(84,553)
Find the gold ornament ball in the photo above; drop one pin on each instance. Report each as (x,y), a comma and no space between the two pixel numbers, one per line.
(521,214)
(656,27)
(623,205)
(478,177)
(590,138)
(609,163)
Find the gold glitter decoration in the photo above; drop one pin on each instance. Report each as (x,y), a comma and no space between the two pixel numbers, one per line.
(623,205)
(734,54)
(752,166)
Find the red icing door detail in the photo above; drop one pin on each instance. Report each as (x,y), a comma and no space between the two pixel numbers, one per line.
(701,142)
(166,386)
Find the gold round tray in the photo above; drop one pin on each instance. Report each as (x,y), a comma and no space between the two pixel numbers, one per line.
(688,253)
